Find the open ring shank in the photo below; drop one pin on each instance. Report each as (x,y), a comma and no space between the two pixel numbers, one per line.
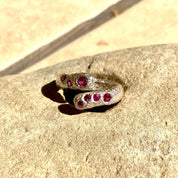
(98,91)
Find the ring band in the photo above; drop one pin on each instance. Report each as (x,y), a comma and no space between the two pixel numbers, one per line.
(99,91)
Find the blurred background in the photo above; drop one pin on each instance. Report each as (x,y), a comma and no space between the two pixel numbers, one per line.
(26,25)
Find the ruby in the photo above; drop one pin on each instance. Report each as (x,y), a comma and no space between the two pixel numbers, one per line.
(107,97)
(69,83)
(63,78)
(80,104)
(87,98)
(82,81)
(96,97)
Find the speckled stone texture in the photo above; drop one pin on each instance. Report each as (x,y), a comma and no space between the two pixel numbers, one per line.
(42,136)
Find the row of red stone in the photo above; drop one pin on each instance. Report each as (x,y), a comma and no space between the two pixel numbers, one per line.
(81,81)
(96,97)
(106,98)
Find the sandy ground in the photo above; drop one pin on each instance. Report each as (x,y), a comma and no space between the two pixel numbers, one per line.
(43,136)
(26,25)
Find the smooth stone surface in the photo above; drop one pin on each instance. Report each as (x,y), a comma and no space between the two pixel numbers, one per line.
(26,25)
(42,136)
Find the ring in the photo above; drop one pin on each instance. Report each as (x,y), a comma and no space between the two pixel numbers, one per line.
(99,91)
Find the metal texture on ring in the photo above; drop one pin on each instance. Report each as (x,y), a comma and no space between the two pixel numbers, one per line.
(99,91)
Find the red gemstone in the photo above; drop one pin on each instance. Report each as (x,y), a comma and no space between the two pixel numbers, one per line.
(107,97)
(87,98)
(96,97)
(82,81)
(69,83)
(80,104)
(63,78)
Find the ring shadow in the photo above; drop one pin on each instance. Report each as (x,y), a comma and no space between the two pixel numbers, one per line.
(50,91)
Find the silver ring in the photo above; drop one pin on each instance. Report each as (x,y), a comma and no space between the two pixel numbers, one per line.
(99,91)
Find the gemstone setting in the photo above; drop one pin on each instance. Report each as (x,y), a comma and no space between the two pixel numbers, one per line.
(63,78)
(80,104)
(87,98)
(69,83)
(82,81)
(96,97)
(107,97)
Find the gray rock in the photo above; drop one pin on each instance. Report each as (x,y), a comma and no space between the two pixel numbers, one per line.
(42,136)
